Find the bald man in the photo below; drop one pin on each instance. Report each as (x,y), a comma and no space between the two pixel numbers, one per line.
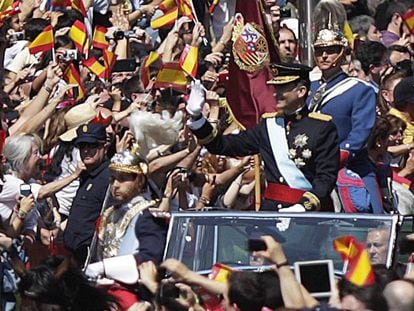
(400,295)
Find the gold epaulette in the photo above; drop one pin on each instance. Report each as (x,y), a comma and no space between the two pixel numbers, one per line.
(271,114)
(320,116)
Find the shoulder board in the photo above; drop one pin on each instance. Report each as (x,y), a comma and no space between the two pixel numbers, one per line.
(156,213)
(320,116)
(267,115)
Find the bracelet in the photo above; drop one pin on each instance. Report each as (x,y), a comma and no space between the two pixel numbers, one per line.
(21,214)
(408,146)
(47,88)
(282,264)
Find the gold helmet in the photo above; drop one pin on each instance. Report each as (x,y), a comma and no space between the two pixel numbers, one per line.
(129,161)
(330,37)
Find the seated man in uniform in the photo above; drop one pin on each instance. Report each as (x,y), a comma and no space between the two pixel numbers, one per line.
(299,149)
(128,233)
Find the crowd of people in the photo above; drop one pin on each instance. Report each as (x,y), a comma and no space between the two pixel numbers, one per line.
(101,137)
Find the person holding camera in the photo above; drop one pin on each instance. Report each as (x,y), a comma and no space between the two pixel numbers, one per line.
(299,149)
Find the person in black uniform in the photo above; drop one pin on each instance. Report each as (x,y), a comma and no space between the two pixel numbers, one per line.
(94,181)
(299,149)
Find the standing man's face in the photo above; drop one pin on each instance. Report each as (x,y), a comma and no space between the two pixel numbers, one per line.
(377,246)
(287,44)
(327,57)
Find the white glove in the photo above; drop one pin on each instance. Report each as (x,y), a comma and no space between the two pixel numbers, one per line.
(95,270)
(297,208)
(122,268)
(197,99)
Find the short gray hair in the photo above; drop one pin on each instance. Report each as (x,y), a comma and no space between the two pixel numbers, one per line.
(360,25)
(17,150)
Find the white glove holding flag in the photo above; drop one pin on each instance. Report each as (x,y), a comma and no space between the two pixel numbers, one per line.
(197,99)
(297,208)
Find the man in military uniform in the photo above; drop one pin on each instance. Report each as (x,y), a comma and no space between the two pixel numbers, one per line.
(128,233)
(299,149)
(351,103)
(87,204)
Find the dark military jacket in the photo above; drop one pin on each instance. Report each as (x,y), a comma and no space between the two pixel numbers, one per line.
(312,142)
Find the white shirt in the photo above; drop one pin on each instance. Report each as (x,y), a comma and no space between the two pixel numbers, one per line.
(67,194)
(8,200)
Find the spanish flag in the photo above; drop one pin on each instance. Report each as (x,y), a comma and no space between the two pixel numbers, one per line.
(360,270)
(409,20)
(189,60)
(6,12)
(167,5)
(78,5)
(167,19)
(220,273)
(109,60)
(95,67)
(185,8)
(212,6)
(43,42)
(5,4)
(99,41)
(145,72)
(78,35)
(171,75)
(72,77)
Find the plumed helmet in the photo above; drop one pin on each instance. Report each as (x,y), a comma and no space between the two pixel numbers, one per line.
(129,161)
(330,37)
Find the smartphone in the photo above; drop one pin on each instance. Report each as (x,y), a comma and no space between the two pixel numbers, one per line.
(70,55)
(256,245)
(168,290)
(25,190)
(16,36)
(316,276)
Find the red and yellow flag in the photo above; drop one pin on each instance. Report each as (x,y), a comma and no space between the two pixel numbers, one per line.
(167,19)
(78,5)
(360,270)
(78,35)
(72,77)
(212,6)
(171,75)
(220,273)
(8,11)
(109,60)
(185,8)
(145,72)
(43,42)
(99,41)
(95,67)
(189,60)
(409,20)
(167,5)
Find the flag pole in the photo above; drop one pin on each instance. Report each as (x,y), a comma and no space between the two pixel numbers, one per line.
(53,55)
(257,188)
(196,21)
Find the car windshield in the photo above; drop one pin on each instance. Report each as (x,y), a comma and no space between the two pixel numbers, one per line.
(202,239)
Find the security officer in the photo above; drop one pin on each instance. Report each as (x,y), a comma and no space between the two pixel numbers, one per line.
(299,149)
(351,103)
(94,181)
